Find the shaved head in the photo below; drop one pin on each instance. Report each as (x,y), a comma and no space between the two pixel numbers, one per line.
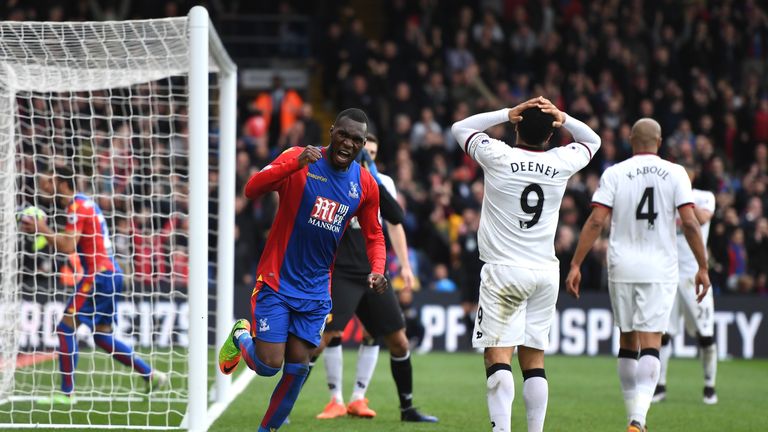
(645,135)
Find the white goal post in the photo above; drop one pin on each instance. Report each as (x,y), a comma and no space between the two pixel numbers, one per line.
(126,105)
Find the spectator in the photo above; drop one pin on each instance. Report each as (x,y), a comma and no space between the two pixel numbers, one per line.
(737,259)
(565,245)
(404,103)
(281,108)
(313,134)
(467,264)
(442,282)
(757,251)
(256,125)
(459,58)
(422,127)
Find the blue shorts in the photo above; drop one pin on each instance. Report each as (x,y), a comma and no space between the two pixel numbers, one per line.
(276,315)
(95,299)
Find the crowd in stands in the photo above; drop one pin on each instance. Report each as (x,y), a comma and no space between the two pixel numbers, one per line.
(699,68)
(132,163)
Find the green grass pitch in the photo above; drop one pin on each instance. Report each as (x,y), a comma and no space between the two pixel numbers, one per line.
(584,395)
(95,375)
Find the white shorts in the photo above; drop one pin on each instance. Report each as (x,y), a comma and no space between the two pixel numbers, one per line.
(699,317)
(516,307)
(642,307)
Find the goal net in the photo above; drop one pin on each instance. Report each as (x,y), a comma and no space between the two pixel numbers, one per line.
(142,112)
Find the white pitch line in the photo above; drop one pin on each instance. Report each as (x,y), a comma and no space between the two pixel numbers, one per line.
(81,427)
(238,387)
(97,399)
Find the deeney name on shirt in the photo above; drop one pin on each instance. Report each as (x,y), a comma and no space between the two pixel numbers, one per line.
(646,170)
(534,167)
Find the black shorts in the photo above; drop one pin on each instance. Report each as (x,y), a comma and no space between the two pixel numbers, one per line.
(380,314)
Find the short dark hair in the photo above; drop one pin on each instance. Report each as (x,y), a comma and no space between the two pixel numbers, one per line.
(371,138)
(64,174)
(355,114)
(535,126)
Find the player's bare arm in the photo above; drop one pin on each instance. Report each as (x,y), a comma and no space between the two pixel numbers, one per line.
(592,228)
(63,242)
(702,215)
(400,246)
(692,231)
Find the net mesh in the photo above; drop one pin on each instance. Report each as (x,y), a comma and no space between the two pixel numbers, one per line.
(108,101)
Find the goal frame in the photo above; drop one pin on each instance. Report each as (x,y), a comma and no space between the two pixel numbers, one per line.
(204,45)
(205,51)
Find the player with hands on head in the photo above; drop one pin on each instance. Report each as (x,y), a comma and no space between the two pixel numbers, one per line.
(524,186)
(95,299)
(641,197)
(320,191)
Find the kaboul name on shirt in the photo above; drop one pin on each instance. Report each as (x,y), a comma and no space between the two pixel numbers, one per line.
(652,170)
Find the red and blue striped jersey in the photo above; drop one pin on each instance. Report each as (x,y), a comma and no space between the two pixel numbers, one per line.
(94,246)
(316,204)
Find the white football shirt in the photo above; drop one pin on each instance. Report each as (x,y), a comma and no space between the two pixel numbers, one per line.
(644,192)
(388,184)
(523,190)
(686,261)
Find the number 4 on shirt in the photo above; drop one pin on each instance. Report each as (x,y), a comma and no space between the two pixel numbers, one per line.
(650,214)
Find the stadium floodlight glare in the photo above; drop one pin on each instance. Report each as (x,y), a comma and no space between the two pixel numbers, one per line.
(127,105)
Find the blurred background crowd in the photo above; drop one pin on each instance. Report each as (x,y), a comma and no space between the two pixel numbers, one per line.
(698,67)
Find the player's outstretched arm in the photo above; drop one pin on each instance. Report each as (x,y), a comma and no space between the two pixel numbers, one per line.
(271,177)
(692,232)
(592,229)
(703,215)
(400,246)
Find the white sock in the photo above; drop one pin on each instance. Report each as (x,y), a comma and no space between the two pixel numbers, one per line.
(628,378)
(334,368)
(709,361)
(664,354)
(367,357)
(501,393)
(535,394)
(647,377)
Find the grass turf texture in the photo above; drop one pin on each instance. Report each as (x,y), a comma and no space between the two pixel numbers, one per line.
(584,395)
(162,408)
